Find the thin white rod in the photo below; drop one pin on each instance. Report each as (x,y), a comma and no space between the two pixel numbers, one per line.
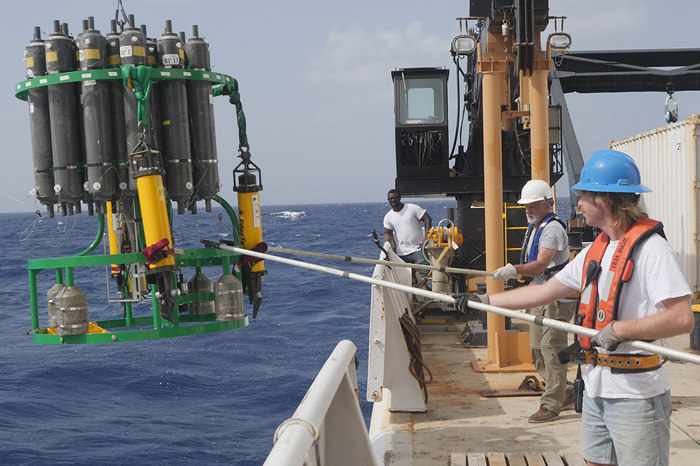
(553,323)
(381,262)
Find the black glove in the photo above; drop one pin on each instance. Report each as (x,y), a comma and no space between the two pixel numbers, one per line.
(461,301)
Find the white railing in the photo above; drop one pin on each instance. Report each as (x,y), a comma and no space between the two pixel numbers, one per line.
(388,355)
(327,428)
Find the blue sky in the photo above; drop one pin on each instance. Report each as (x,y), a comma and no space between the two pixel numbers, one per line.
(316,86)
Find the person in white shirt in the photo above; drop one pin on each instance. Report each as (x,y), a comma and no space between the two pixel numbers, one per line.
(403,230)
(626,402)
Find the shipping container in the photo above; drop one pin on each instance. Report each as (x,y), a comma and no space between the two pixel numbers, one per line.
(668,160)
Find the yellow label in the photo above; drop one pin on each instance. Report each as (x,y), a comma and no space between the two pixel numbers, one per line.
(151,60)
(140,51)
(51,57)
(161,189)
(30,62)
(91,54)
(166,122)
(77,55)
(114,60)
(182,54)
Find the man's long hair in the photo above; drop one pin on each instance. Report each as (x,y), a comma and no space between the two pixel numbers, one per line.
(624,206)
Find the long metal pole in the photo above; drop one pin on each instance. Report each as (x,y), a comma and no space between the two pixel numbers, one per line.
(669,353)
(361,260)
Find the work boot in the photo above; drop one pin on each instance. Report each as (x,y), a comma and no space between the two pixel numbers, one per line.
(543,415)
(568,402)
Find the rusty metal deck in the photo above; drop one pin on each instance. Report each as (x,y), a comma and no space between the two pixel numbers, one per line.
(462,427)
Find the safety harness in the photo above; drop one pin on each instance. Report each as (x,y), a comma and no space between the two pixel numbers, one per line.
(535,248)
(597,315)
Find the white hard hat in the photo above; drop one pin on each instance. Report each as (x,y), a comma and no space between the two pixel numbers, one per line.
(535,190)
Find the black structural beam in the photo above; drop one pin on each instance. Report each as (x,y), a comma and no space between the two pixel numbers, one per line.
(628,71)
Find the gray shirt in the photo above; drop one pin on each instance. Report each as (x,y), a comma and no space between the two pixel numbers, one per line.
(553,237)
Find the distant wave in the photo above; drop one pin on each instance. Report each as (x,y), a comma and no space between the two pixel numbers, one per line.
(289,214)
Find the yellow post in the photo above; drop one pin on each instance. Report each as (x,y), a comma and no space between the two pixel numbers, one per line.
(492,65)
(538,99)
(154,213)
(506,352)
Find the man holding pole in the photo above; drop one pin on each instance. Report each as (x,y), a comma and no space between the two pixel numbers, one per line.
(631,289)
(545,251)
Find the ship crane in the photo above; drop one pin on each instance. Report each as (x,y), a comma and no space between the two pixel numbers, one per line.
(515,83)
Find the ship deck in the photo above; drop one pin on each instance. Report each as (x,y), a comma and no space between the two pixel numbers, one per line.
(462,427)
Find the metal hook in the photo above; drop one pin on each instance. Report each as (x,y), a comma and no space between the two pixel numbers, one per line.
(671,115)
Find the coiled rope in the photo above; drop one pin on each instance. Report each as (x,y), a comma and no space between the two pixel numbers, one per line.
(416,366)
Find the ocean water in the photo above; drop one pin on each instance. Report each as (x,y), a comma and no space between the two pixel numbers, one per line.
(215,398)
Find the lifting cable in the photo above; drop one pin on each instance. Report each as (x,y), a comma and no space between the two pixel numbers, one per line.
(519,315)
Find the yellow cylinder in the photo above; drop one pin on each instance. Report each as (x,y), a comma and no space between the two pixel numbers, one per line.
(113,240)
(154,214)
(249,215)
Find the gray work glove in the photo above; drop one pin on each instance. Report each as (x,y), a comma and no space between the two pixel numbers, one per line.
(461,301)
(505,273)
(607,338)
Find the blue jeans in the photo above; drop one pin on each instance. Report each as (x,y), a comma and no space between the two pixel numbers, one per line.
(418,258)
(627,432)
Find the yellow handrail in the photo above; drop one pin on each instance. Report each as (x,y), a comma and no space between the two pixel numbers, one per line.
(506,207)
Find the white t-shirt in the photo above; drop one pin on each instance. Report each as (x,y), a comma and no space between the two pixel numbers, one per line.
(408,231)
(553,237)
(656,277)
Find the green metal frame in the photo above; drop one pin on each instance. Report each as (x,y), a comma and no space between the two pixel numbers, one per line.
(130,328)
(112,74)
(126,329)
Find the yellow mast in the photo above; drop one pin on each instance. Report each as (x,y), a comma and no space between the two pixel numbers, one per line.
(508,352)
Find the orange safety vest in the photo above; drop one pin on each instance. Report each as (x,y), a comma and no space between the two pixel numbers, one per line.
(592,314)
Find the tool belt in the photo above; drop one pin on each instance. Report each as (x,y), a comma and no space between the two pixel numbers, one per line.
(618,363)
(624,363)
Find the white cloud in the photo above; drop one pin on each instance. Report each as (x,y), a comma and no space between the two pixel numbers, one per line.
(605,25)
(356,58)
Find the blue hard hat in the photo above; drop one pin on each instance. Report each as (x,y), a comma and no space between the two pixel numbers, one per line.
(610,171)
